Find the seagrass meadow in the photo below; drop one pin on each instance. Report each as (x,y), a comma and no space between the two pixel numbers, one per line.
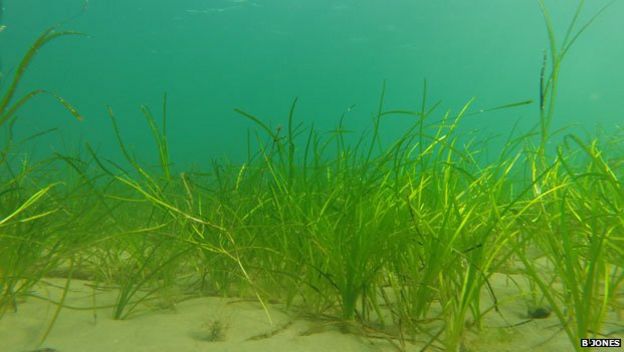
(398,230)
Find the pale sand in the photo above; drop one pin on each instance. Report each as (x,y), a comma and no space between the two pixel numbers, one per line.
(242,326)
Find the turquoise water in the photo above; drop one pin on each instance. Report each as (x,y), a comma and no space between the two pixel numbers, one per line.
(212,56)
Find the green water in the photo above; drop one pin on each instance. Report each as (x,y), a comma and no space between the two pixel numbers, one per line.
(211,56)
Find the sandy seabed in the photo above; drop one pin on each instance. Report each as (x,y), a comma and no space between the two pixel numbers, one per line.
(229,324)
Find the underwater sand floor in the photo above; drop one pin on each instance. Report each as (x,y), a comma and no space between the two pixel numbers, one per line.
(230,324)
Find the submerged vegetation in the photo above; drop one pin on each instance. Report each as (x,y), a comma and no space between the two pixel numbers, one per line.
(404,237)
